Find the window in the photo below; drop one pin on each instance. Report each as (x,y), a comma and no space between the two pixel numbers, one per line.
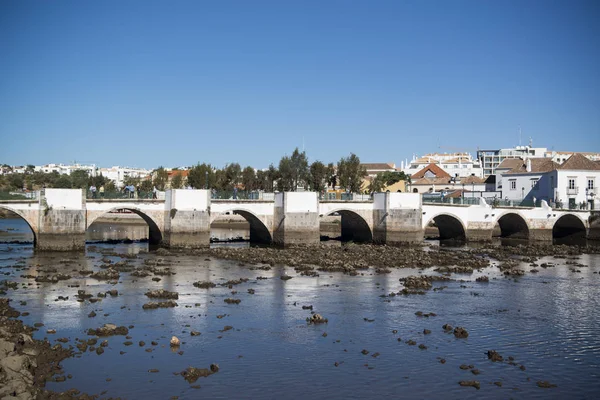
(534,184)
(590,183)
(513,184)
(571,183)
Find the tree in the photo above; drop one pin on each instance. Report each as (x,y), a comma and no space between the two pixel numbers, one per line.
(249,179)
(177,181)
(351,173)
(262,180)
(130,180)
(385,179)
(201,176)
(161,177)
(272,176)
(63,182)
(233,174)
(99,180)
(318,176)
(110,186)
(299,168)
(16,181)
(285,176)
(80,179)
(221,180)
(30,169)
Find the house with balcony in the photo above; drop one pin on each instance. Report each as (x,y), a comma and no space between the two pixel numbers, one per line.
(572,184)
(577,182)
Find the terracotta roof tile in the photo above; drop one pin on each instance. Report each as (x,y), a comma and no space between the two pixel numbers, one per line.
(434,169)
(538,165)
(431,181)
(471,179)
(580,162)
(510,163)
(378,166)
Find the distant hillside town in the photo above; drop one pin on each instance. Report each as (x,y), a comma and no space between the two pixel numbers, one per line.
(523,175)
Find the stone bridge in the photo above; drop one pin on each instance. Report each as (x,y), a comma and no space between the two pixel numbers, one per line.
(60,218)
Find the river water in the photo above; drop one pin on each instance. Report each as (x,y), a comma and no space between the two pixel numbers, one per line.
(546,321)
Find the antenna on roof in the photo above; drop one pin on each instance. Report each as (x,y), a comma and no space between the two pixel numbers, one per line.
(519,135)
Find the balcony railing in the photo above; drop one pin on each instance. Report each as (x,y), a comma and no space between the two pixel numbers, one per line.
(572,190)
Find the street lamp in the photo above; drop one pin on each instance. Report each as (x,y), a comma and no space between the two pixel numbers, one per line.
(205,179)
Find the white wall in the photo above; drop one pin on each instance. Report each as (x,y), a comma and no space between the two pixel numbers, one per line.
(301,202)
(524,190)
(404,200)
(186,199)
(581,178)
(64,199)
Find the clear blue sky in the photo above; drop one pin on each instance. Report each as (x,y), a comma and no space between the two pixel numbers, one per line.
(146,83)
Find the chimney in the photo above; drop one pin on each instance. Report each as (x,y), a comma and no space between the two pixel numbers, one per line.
(528,165)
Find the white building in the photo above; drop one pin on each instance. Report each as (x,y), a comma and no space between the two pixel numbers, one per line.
(63,169)
(455,164)
(571,184)
(119,174)
(490,159)
(560,157)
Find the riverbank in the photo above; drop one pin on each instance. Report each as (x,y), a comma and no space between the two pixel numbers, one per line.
(26,363)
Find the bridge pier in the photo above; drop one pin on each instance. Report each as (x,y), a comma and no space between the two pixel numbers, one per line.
(187,219)
(594,223)
(479,233)
(397,218)
(62,220)
(296,218)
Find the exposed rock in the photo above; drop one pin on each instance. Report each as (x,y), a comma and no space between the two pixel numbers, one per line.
(460,332)
(494,356)
(474,384)
(204,284)
(109,330)
(162,294)
(316,319)
(545,384)
(159,304)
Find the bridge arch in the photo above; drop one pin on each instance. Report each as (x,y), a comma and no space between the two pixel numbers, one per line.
(569,225)
(155,235)
(512,225)
(355,227)
(29,221)
(450,227)
(259,232)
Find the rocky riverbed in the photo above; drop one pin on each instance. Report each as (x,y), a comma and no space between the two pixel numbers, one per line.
(122,321)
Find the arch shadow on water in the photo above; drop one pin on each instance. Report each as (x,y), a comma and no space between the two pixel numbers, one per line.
(569,229)
(354,228)
(450,230)
(511,226)
(15,228)
(155,236)
(258,233)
